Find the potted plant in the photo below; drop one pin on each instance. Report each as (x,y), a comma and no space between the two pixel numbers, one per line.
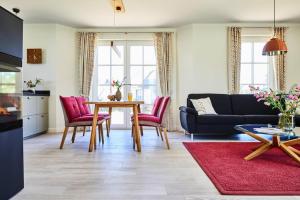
(32,85)
(286,102)
(118,84)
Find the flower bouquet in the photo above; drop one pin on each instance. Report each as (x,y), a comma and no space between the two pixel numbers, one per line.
(285,102)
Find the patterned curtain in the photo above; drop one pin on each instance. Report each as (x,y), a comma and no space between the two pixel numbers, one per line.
(164,55)
(280,66)
(86,61)
(234,59)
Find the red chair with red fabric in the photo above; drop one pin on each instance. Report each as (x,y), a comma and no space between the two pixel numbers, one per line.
(157,121)
(85,111)
(73,118)
(154,112)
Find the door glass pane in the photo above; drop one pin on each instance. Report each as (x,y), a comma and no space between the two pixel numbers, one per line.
(136,55)
(149,75)
(136,74)
(149,94)
(245,74)
(103,92)
(258,57)
(149,55)
(103,55)
(146,108)
(104,75)
(137,92)
(117,59)
(246,52)
(260,74)
(118,116)
(117,73)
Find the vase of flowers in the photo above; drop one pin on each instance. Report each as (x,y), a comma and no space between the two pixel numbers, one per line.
(285,102)
(32,85)
(118,84)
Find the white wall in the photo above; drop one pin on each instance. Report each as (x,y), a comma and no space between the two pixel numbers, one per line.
(202,58)
(58,70)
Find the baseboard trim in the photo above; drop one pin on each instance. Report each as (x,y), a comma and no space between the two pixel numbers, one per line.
(34,135)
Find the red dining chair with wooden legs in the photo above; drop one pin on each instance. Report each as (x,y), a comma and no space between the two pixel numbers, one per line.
(154,112)
(73,118)
(156,121)
(85,111)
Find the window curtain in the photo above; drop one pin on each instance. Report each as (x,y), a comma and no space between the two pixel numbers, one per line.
(164,54)
(280,62)
(234,59)
(86,61)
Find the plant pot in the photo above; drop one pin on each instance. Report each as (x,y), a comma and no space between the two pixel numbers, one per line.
(118,95)
(286,122)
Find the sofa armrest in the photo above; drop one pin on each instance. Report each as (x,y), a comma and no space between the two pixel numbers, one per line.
(188,119)
(188,110)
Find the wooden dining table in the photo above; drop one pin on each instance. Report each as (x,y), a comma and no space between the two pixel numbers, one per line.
(136,108)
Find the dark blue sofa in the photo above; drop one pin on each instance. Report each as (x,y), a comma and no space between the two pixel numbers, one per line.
(232,110)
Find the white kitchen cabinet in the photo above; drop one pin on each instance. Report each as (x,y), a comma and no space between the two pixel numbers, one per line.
(35,115)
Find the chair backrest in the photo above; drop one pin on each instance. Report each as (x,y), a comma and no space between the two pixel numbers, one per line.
(156,105)
(84,108)
(70,108)
(163,108)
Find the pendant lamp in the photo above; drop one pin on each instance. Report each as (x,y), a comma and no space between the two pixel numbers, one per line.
(275,46)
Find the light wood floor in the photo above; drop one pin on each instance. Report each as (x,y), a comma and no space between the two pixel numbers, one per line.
(115,171)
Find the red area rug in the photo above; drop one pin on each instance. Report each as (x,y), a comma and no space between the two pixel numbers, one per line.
(272,173)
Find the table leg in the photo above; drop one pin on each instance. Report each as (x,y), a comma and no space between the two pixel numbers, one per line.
(137,128)
(290,152)
(109,121)
(259,151)
(94,126)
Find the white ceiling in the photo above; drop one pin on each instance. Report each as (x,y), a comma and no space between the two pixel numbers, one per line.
(153,13)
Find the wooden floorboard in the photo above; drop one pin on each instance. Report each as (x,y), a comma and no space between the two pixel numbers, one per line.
(114,171)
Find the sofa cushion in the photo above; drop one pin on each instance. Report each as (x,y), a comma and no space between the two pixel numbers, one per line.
(220,119)
(261,119)
(220,102)
(246,104)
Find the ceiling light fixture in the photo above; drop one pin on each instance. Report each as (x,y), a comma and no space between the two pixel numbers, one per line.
(275,46)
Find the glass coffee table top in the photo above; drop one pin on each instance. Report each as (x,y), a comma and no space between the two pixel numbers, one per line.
(268,129)
(255,131)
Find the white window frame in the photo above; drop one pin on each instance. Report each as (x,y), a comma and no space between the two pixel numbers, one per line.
(271,73)
(95,81)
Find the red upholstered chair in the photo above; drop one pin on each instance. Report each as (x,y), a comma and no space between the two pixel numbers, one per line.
(154,112)
(74,118)
(157,121)
(85,111)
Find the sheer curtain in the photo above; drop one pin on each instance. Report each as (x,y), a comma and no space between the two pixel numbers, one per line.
(86,61)
(164,55)
(280,62)
(234,59)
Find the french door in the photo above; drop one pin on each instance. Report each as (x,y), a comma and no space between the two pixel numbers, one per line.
(136,62)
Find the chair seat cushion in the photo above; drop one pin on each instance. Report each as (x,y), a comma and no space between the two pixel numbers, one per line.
(220,119)
(261,119)
(149,118)
(104,115)
(86,118)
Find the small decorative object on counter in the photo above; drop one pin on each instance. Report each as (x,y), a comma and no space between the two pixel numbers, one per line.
(286,102)
(111,97)
(31,86)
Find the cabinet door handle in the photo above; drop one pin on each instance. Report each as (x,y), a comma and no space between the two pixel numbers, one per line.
(28,118)
(42,97)
(42,116)
(28,97)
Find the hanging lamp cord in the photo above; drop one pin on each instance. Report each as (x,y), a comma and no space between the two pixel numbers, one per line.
(274,18)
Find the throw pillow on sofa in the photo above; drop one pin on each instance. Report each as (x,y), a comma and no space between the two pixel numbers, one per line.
(203,106)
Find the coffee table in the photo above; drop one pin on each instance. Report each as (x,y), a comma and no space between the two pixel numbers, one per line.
(265,144)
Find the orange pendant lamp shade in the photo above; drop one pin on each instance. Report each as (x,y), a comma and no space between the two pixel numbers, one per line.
(274,46)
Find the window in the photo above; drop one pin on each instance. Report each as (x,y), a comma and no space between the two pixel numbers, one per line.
(136,62)
(256,69)
(7,82)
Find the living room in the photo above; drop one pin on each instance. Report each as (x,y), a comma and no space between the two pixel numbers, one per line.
(124,99)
